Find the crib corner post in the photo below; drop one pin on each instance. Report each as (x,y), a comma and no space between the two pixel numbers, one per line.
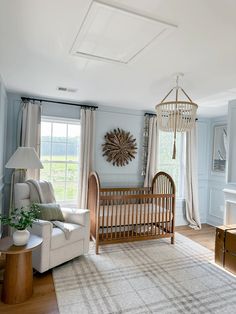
(97,248)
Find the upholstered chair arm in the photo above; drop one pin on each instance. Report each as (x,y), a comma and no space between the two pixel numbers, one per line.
(80,217)
(42,228)
(76,216)
(41,255)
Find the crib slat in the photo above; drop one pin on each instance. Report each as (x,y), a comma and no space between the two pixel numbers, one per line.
(103,212)
(148,218)
(166,216)
(111,222)
(124,215)
(120,215)
(162,215)
(132,226)
(116,217)
(129,213)
(155,207)
(141,210)
(107,224)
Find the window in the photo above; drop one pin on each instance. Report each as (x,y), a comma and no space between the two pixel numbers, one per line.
(174,167)
(60,141)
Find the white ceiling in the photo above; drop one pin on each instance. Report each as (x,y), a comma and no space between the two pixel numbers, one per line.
(36,38)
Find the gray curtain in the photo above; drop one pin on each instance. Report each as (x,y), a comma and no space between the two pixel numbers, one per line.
(152,153)
(30,132)
(87,118)
(191,180)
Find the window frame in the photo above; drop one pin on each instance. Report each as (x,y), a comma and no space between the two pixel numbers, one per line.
(67,121)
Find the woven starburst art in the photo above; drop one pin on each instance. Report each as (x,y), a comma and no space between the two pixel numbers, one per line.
(120,147)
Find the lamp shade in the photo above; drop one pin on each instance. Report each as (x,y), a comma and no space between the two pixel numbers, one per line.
(24,158)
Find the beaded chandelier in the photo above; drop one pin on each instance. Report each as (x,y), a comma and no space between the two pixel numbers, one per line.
(176,115)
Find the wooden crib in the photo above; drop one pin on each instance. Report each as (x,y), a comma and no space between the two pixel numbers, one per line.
(131,214)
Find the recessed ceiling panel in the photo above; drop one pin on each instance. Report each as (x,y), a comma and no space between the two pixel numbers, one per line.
(113,34)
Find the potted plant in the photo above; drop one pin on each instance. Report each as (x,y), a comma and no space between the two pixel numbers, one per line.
(20,219)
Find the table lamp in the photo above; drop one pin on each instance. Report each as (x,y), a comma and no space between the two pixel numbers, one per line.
(24,158)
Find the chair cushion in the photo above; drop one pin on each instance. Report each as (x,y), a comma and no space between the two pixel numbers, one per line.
(58,237)
(50,212)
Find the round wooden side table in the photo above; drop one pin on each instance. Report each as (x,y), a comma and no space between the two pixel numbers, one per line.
(18,275)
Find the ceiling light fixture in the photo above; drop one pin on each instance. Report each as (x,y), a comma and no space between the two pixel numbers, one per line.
(176,115)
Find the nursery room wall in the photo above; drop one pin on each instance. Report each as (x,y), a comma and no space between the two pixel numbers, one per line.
(108,118)
(3,115)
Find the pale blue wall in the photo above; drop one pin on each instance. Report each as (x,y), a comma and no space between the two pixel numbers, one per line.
(14,104)
(59,110)
(3,116)
(108,118)
(13,108)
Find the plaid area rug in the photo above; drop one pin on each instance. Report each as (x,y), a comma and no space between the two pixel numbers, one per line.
(145,277)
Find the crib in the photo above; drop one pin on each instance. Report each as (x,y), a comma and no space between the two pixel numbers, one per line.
(131,214)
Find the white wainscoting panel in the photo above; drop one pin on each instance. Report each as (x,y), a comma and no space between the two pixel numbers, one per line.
(203,200)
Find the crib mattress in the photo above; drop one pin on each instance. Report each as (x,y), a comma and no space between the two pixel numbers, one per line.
(134,214)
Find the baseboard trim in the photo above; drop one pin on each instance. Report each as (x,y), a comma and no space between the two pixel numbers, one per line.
(214,221)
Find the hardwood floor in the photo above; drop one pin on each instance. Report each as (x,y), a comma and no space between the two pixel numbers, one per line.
(44,301)
(205,236)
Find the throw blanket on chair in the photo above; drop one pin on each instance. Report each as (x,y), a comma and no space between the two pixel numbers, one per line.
(42,192)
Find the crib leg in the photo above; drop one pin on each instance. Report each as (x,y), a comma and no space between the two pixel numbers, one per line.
(97,248)
(173,240)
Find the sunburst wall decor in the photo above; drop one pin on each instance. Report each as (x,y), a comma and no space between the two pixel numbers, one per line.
(120,147)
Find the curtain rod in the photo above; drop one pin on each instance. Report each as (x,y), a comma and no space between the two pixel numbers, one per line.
(154,114)
(149,114)
(57,102)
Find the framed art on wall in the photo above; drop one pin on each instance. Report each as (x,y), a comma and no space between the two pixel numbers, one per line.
(219,148)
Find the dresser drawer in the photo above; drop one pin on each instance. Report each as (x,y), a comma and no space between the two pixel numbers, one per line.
(230,241)
(230,262)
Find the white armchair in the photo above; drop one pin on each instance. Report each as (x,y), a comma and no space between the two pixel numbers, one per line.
(56,249)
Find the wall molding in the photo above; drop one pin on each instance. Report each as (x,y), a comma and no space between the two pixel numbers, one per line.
(214,221)
(2,187)
(213,212)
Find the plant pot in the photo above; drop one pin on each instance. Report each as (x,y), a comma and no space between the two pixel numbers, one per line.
(21,237)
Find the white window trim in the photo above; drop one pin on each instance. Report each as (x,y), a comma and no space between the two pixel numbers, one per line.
(59,120)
